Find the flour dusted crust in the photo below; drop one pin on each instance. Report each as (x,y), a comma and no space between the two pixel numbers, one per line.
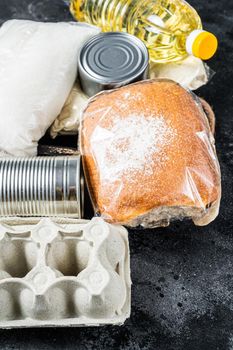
(149,155)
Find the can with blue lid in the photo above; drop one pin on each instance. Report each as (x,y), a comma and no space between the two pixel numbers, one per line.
(110,60)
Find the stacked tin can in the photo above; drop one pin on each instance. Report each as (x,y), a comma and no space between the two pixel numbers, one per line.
(41,186)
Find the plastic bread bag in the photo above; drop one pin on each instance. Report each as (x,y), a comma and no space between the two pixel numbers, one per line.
(69,119)
(38,67)
(191,72)
(149,155)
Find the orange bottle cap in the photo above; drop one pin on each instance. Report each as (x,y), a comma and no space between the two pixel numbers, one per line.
(204,45)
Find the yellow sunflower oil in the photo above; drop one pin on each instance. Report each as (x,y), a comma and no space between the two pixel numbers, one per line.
(171,29)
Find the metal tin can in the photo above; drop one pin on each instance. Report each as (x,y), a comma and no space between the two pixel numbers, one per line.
(110,60)
(41,186)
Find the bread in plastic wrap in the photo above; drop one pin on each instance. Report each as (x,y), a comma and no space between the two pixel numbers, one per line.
(149,155)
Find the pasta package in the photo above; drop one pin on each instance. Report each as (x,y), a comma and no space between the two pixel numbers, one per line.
(149,155)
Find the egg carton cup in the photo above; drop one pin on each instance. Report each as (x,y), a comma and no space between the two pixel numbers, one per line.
(63,273)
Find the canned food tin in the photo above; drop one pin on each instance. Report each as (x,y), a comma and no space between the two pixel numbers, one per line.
(41,186)
(110,60)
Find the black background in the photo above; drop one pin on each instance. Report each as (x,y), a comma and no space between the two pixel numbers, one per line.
(182,293)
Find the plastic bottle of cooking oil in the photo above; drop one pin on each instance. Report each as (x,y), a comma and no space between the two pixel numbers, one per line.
(171,29)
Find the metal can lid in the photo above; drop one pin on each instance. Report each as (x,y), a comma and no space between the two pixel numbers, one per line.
(110,60)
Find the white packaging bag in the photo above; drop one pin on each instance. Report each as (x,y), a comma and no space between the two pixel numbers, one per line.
(38,67)
(70,116)
(191,73)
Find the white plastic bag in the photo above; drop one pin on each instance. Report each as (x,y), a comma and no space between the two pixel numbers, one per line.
(69,118)
(191,73)
(38,67)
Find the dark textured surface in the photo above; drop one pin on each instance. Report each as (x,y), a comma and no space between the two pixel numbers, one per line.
(182,295)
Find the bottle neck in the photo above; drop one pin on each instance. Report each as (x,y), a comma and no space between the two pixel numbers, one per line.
(190,40)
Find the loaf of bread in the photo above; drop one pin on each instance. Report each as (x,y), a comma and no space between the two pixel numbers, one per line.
(149,155)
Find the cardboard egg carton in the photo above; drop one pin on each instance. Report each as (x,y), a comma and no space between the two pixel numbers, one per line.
(63,273)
